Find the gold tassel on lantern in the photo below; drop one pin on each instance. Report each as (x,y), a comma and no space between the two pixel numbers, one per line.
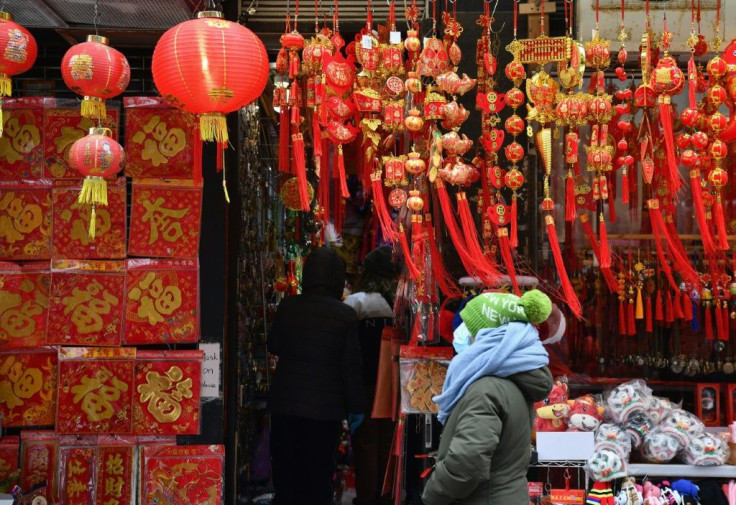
(213,127)
(94,192)
(93,108)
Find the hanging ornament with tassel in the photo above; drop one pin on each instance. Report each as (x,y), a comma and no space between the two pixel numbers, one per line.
(18,57)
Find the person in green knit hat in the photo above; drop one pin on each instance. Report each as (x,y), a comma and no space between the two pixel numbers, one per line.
(489,391)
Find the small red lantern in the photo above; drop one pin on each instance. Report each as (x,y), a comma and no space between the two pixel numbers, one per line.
(699,140)
(514,152)
(514,98)
(516,72)
(97,72)
(514,125)
(415,201)
(718,178)
(717,123)
(717,67)
(415,165)
(19,54)
(210,66)
(97,156)
(688,157)
(718,149)
(514,179)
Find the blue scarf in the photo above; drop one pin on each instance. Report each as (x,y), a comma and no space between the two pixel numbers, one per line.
(507,350)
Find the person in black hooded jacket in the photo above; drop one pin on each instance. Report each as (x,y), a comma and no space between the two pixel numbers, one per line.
(317,383)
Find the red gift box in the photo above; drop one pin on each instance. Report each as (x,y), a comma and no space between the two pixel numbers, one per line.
(21,145)
(115,458)
(165,219)
(77,466)
(182,474)
(167,392)
(28,387)
(95,390)
(62,127)
(71,223)
(39,460)
(159,139)
(24,304)
(161,301)
(86,303)
(25,220)
(9,471)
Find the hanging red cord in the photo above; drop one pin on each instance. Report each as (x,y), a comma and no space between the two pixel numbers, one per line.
(516,16)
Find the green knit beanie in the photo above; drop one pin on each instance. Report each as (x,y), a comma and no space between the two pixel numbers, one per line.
(490,310)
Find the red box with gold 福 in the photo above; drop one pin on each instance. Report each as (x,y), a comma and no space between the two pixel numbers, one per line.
(159,139)
(21,145)
(24,304)
(28,387)
(71,222)
(167,392)
(25,220)
(39,460)
(161,301)
(165,219)
(86,303)
(95,390)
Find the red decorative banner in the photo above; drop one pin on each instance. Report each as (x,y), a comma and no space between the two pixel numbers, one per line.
(21,145)
(189,474)
(167,392)
(24,304)
(159,139)
(95,393)
(9,455)
(115,472)
(28,387)
(25,220)
(165,219)
(39,462)
(161,301)
(71,223)
(77,467)
(64,126)
(86,306)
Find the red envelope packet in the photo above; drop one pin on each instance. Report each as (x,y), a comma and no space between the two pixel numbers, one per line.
(64,125)
(39,460)
(167,392)
(24,304)
(165,219)
(95,390)
(9,455)
(86,303)
(115,463)
(77,468)
(21,145)
(28,387)
(71,223)
(25,220)
(159,139)
(161,301)
(189,474)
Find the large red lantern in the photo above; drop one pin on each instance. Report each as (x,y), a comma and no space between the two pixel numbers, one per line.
(97,72)
(18,51)
(210,66)
(97,156)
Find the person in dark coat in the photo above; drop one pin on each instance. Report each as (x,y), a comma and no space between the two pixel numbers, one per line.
(317,383)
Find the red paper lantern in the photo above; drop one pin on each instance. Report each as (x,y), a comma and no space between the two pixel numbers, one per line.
(97,72)
(97,156)
(210,66)
(19,54)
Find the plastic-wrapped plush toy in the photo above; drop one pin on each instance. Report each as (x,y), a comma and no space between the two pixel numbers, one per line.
(658,409)
(706,449)
(627,400)
(638,428)
(552,411)
(584,415)
(660,447)
(606,464)
(611,434)
(681,424)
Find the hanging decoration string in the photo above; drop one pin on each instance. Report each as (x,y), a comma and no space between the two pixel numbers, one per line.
(94,20)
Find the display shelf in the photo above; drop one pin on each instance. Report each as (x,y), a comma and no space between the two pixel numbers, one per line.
(646,469)
(558,464)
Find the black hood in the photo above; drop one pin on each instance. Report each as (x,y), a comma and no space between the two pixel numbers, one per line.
(323,273)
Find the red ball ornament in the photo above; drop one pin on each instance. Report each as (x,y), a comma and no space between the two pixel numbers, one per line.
(514,98)
(514,125)
(699,140)
(19,54)
(515,71)
(683,140)
(210,66)
(716,95)
(513,179)
(718,178)
(667,78)
(548,205)
(717,67)
(622,145)
(97,72)
(514,152)
(688,157)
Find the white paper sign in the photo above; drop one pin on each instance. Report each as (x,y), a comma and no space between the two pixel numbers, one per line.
(211,370)
(367,42)
(394,37)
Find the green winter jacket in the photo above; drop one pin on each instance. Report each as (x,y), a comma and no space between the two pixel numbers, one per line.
(483,456)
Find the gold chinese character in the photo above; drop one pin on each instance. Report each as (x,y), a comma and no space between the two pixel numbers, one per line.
(21,383)
(75,468)
(114,464)
(86,306)
(165,143)
(16,317)
(155,298)
(75,488)
(164,394)
(97,395)
(18,139)
(111,501)
(163,220)
(18,217)
(114,486)
(38,459)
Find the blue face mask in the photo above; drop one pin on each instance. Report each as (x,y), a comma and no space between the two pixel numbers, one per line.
(461,338)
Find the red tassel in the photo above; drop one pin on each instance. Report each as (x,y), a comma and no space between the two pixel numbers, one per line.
(300,167)
(570,209)
(416,328)
(687,307)
(708,245)
(625,185)
(430,326)
(324,187)
(608,276)
(316,137)
(197,154)
(680,262)
(293,64)
(669,314)
(284,128)
(718,215)
(665,118)
(650,326)
(568,290)
(410,266)
(470,233)
(631,320)
(622,327)
(514,239)
(605,258)
(444,280)
(659,314)
(508,261)
(678,305)
(708,323)
(341,172)
(381,211)
(719,321)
